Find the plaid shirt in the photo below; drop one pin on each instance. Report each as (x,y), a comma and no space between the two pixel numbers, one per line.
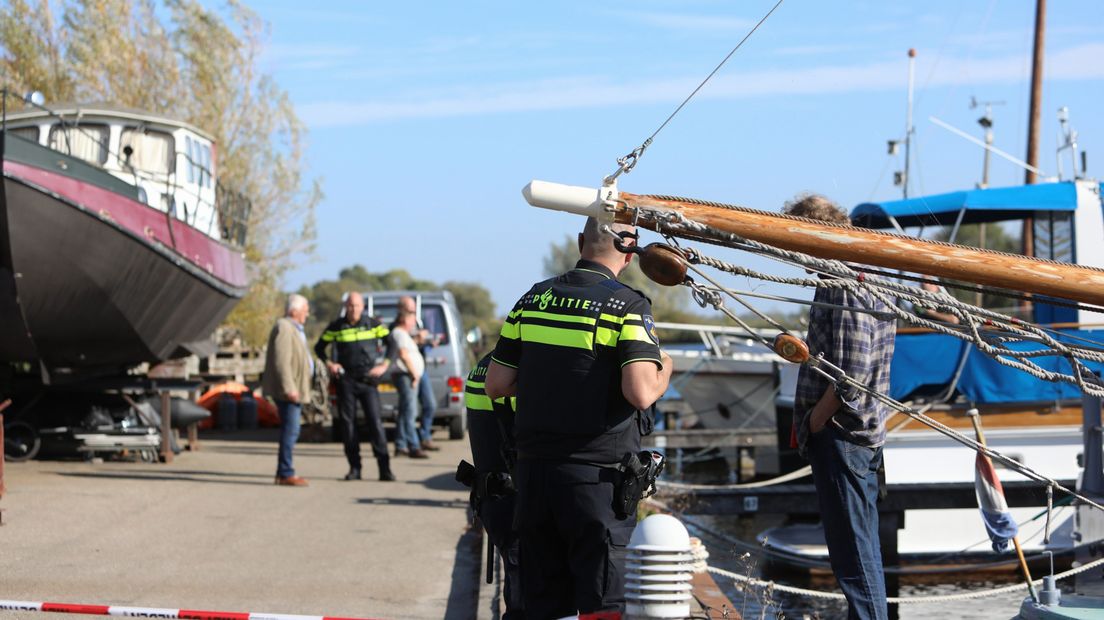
(861,345)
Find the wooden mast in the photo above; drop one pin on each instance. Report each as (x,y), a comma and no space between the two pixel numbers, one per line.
(846,243)
(868,247)
(1033,121)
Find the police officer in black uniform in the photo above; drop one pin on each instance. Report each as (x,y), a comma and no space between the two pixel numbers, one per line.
(491,433)
(580,352)
(363,352)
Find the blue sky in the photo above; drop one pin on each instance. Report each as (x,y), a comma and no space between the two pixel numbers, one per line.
(427,119)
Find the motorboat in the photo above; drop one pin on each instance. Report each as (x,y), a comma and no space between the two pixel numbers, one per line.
(118,244)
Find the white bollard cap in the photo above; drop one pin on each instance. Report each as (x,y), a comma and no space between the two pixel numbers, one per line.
(660,533)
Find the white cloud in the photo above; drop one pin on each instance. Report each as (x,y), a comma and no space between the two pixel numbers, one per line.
(1076,63)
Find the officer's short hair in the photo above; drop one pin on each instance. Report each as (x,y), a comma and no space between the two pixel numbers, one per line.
(294,302)
(598,240)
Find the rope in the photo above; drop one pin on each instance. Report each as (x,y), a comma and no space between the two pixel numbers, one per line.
(898,600)
(842,276)
(797,474)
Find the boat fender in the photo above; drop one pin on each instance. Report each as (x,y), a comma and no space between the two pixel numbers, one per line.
(791,348)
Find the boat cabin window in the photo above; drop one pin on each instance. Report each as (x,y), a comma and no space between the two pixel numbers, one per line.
(152,150)
(84,141)
(27,133)
(199,162)
(1054,236)
(205,172)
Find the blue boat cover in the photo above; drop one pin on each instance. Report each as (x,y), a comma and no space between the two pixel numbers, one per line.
(931,359)
(982,205)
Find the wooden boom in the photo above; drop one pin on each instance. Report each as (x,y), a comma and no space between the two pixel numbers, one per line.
(846,243)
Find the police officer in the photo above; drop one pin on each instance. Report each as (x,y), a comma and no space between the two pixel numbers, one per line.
(363,352)
(580,352)
(491,433)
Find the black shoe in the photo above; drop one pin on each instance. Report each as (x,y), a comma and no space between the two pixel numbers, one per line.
(354,474)
(387,476)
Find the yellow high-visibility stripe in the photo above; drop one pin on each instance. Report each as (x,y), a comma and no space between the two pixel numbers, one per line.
(635,332)
(355,334)
(558,336)
(509,330)
(478,402)
(498,361)
(611,319)
(477,385)
(606,336)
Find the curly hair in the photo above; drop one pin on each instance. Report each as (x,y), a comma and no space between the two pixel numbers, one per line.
(816,207)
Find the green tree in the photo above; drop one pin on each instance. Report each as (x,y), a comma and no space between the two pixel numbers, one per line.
(201,65)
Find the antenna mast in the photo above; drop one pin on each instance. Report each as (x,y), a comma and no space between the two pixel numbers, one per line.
(986,121)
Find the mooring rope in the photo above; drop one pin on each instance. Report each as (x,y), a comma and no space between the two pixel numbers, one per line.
(898,600)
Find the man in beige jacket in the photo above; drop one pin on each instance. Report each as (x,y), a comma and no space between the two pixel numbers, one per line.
(287,380)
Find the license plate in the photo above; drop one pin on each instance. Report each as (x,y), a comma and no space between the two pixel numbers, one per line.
(386,387)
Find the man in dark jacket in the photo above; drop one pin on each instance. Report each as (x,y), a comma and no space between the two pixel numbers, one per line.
(362,353)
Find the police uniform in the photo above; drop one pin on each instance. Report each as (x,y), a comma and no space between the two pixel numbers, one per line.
(491,433)
(358,347)
(569,337)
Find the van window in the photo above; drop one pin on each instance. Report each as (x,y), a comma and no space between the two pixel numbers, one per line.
(433,318)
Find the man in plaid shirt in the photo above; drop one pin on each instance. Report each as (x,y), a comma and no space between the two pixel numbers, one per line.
(840,429)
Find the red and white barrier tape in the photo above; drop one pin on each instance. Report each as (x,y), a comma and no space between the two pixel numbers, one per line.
(154,612)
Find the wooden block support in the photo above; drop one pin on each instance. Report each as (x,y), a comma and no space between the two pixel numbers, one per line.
(166,428)
(193,437)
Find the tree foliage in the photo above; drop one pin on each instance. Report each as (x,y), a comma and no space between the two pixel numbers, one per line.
(184,60)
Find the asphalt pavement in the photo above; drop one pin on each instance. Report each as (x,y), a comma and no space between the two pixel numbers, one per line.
(211,531)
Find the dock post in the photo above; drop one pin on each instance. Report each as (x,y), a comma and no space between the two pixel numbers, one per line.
(1090,523)
(3,406)
(888,525)
(166,428)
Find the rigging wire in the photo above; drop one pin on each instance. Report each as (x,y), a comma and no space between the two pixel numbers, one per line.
(628,162)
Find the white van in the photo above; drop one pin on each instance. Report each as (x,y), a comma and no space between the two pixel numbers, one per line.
(447,363)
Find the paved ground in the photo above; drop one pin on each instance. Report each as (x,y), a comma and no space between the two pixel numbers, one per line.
(211,531)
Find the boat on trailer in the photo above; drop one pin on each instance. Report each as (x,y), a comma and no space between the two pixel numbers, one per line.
(118,244)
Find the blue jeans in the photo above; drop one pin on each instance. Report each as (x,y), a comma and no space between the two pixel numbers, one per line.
(289,434)
(428,405)
(846,479)
(406,436)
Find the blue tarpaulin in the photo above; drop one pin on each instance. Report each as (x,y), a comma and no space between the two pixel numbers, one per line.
(931,359)
(982,205)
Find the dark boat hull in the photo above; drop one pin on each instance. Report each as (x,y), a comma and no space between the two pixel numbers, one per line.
(81,289)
